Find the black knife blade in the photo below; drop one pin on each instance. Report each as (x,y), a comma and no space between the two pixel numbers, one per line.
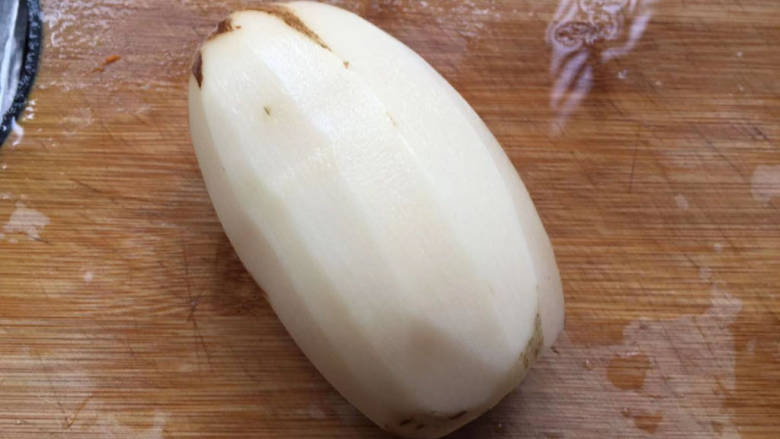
(20,47)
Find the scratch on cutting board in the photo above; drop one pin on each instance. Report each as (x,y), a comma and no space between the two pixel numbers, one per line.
(633,158)
(25,220)
(47,374)
(194,301)
(70,420)
(719,153)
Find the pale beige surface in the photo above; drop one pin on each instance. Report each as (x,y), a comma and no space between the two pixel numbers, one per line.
(125,313)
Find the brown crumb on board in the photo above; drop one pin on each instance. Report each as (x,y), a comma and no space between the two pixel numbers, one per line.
(109,60)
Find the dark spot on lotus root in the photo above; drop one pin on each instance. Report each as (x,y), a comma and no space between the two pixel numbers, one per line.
(458,415)
(290,19)
(224,26)
(392,119)
(197,69)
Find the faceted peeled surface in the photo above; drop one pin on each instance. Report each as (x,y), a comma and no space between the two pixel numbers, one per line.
(351,199)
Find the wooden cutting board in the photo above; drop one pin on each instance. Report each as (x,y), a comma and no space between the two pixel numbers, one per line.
(647,132)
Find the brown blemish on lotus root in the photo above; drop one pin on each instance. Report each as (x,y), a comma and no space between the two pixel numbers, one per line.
(532,348)
(392,120)
(197,69)
(457,415)
(224,26)
(292,20)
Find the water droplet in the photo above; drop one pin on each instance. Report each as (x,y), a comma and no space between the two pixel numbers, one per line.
(628,372)
(648,422)
(583,37)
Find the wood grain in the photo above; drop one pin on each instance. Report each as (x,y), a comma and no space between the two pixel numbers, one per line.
(124,311)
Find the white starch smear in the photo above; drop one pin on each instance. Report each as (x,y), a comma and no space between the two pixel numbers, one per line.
(25,220)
